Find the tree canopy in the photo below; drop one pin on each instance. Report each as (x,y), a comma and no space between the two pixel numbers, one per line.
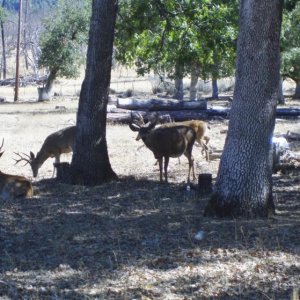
(158,35)
(290,46)
(64,33)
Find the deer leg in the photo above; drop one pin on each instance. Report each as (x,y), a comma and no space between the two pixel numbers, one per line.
(205,146)
(166,168)
(57,161)
(191,166)
(160,168)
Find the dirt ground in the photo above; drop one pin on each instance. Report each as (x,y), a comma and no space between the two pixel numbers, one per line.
(136,238)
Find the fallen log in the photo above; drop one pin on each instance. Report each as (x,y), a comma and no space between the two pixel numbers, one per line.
(24,80)
(160,104)
(288,112)
(292,136)
(124,116)
(287,168)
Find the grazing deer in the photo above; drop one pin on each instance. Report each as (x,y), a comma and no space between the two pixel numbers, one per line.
(55,144)
(14,186)
(166,142)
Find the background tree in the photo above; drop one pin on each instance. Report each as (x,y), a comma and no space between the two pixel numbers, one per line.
(290,45)
(64,33)
(244,182)
(90,163)
(3,17)
(171,37)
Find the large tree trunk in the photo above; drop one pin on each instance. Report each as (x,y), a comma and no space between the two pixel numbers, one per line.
(244,182)
(297,90)
(90,163)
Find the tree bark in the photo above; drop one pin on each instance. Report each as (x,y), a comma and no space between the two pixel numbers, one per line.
(297,90)
(244,183)
(24,44)
(215,89)
(16,97)
(45,93)
(90,163)
(194,81)
(281,99)
(178,81)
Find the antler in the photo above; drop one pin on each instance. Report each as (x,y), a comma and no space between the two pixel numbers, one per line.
(27,160)
(137,118)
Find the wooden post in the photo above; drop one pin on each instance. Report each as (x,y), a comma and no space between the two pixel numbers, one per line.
(205,183)
(63,172)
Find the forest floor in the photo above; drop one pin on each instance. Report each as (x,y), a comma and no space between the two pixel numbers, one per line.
(136,238)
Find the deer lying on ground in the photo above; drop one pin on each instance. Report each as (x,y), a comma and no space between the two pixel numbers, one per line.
(55,144)
(14,186)
(166,142)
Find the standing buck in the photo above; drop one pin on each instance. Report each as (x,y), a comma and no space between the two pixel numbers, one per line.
(13,186)
(55,144)
(200,128)
(166,142)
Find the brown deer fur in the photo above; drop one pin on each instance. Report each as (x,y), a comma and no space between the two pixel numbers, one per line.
(13,186)
(166,142)
(55,144)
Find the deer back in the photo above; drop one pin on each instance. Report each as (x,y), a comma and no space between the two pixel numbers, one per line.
(199,127)
(55,144)
(59,142)
(170,141)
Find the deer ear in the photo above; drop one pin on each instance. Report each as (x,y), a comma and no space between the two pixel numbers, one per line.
(134,127)
(32,156)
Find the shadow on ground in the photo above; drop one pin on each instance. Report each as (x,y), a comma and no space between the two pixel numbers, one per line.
(70,236)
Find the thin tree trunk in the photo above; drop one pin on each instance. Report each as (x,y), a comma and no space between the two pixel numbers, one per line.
(244,183)
(24,44)
(194,81)
(281,99)
(215,89)
(178,81)
(90,163)
(3,46)
(16,98)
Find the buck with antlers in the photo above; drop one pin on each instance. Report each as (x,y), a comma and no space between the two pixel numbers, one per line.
(55,144)
(166,142)
(200,127)
(14,186)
